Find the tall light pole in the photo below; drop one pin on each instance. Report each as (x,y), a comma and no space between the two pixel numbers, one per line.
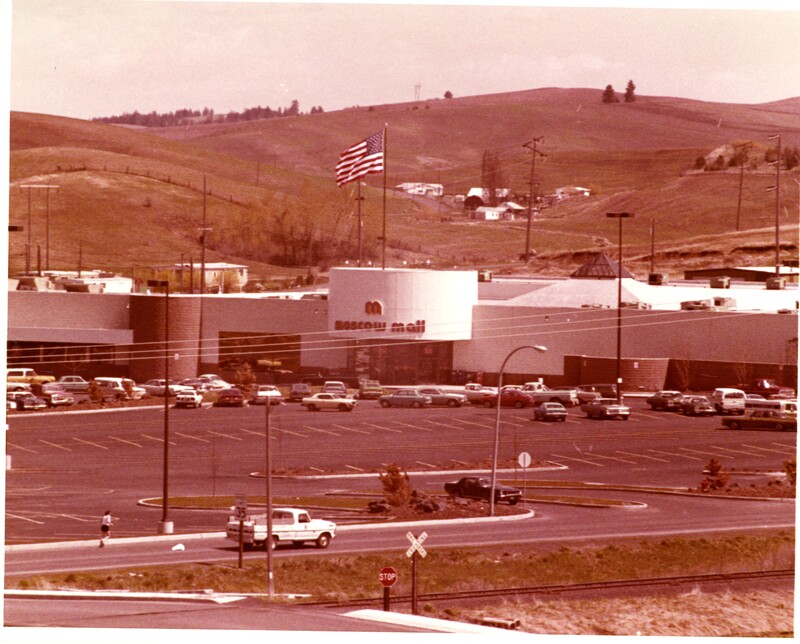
(540,349)
(29,245)
(268,484)
(165,525)
(620,216)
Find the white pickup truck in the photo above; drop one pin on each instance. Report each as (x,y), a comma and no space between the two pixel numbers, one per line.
(542,393)
(289,525)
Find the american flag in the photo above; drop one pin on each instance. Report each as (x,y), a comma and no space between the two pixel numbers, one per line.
(365,157)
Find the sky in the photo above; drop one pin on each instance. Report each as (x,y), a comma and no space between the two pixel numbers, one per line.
(92,58)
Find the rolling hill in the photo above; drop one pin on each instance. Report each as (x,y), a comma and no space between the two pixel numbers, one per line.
(130,199)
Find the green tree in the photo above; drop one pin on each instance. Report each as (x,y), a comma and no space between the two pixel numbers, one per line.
(609,95)
(629,92)
(448,94)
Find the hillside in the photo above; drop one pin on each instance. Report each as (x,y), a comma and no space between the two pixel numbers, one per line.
(132,198)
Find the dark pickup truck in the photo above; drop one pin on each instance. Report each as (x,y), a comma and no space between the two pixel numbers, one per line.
(767,387)
(480,487)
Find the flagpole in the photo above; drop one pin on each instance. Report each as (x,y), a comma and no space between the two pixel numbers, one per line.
(358,199)
(385,165)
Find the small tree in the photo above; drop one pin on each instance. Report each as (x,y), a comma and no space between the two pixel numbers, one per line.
(95,392)
(717,478)
(448,94)
(245,377)
(397,489)
(629,92)
(790,469)
(609,95)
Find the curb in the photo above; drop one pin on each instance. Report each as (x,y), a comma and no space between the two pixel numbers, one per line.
(192,596)
(168,538)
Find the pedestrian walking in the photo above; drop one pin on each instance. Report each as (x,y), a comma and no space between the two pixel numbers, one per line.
(105,528)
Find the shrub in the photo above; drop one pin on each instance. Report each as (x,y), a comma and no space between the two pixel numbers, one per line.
(790,468)
(397,488)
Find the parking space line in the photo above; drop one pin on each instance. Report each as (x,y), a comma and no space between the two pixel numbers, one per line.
(579,460)
(155,438)
(24,449)
(767,449)
(321,431)
(80,440)
(122,440)
(737,451)
(790,447)
(699,451)
(613,458)
(250,431)
(288,431)
(652,458)
(447,425)
(16,516)
(424,429)
(235,438)
(388,429)
(657,451)
(481,425)
(202,440)
(350,429)
(66,449)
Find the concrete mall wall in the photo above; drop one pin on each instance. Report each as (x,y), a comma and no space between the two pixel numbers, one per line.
(148,321)
(639,374)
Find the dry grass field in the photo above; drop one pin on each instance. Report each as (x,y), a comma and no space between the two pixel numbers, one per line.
(130,198)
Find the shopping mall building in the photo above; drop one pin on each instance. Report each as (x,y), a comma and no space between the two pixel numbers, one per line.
(407,326)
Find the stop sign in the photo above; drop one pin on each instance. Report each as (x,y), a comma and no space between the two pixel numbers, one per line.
(387,577)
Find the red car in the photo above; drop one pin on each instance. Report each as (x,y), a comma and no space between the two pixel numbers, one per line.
(230,398)
(509,397)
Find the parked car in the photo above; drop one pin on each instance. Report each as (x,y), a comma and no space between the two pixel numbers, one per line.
(510,396)
(26,401)
(322,400)
(298,391)
(75,384)
(370,390)
(666,400)
(606,408)
(264,393)
(442,397)
(334,387)
(120,388)
(727,400)
(405,398)
(197,384)
(231,397)
(53,394)
(217,383)
(697,406)
(585,394)
(550,411)
(762,419)
(606,390)
(157,386)
(188,398)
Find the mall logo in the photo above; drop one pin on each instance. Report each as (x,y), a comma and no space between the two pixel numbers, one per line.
(373,307)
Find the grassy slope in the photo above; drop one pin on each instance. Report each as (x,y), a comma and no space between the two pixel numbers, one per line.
(634,154)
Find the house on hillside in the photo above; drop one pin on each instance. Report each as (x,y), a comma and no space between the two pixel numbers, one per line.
(507,211)
(422,189)
(566,192)
(477,197)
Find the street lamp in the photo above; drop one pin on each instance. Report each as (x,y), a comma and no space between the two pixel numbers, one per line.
(540,349)
(268,478)
(620,216)
(165,525)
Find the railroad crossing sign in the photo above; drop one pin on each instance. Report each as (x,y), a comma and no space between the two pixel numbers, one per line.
(387,576)
(416,544)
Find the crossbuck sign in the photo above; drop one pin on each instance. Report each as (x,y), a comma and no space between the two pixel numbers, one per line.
(416,544)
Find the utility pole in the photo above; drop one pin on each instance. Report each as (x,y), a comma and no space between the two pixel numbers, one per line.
(746,147)
(777,189)
(531,145)
(29,244)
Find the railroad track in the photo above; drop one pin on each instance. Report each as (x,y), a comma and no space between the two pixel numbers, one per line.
(564,589)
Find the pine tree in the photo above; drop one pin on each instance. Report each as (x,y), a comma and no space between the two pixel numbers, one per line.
(629,96)
(609,95)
